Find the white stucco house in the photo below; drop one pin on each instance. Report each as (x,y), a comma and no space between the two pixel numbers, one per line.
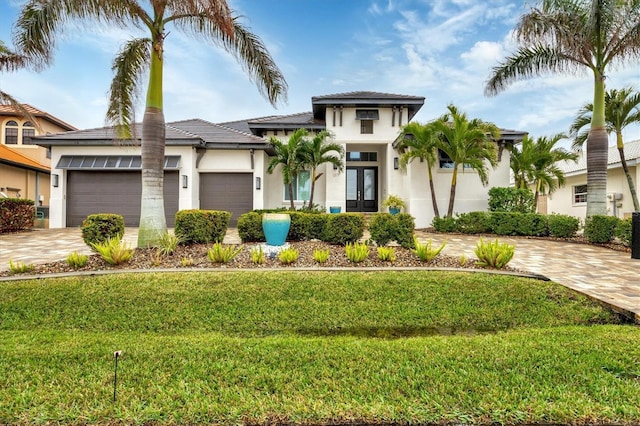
(223,166)
(571,199)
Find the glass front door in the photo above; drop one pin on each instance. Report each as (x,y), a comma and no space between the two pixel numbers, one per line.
(362,189)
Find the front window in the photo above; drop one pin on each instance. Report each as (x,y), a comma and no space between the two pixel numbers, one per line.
(28,131)
(301,187)
(11,133)
(579,194)
(445,161)
(366,127)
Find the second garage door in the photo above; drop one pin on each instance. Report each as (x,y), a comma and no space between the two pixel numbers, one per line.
(90,192)
(232,192)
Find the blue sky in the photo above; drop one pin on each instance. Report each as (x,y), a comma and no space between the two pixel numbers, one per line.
(440,49)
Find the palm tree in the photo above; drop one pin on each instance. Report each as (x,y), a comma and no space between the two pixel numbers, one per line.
(319,151)
(621,108)
(468,143)
(567,36)
(209,20)
(544,173)
(11,61)
(289,155)
(420,141)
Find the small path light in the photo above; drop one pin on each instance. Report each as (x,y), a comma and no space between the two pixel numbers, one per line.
(116,355)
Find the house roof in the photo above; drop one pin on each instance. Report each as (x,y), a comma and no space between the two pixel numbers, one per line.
(631,155)
(9,110)
(12,157)
(366,99)
(219,136)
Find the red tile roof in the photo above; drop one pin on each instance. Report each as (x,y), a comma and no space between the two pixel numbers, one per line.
(9,110)
(13,158)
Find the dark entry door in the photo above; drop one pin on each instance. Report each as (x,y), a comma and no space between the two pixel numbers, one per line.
(362,189)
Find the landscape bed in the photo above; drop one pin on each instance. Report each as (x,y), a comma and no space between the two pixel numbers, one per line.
(312,347)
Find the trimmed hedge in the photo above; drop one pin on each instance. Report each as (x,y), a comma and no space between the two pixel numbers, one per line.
(98,228)
(599,229)
(16,214)
(344,228)
(623,231)
(511,200)
(563,226)
(201,226)
(473,223)
(250,227)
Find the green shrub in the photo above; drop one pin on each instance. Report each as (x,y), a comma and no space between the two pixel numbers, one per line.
(511,200)
(386,254)
(533,225)
(299,229)
(16,214)
(257,255)
(504,223)
(357,252)
(344,228)
(404,232)
(20,267)
(168,244)
(426,252)
(250,227)
(317,225)
(623,231)
(599,229)
(99,228)
(493,254)
(320,255)
(563,226)
(473,223)
(114,251)
(222,254)
(288,256)
(201,226)
(382,228)
(444,224)
(77,260)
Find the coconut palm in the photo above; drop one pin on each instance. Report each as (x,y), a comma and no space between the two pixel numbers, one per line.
(209,20)
(420,141)
(537,164)
(11,61)
(621,108)
(468,143)
(289,155)
(568,36)
(318,151)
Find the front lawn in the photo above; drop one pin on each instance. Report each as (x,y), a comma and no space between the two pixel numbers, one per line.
(312,347)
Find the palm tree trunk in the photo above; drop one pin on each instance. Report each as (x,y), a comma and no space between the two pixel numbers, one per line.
(623,160)
(536,196)
(313,187)
(452,194)
(293,207)
(152,218)
(434,201)
(597,151)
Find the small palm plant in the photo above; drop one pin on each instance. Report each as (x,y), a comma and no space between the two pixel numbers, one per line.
(357,252)
(426,252)
(222,254)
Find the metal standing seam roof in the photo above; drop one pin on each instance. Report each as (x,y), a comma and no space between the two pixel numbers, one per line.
(631,155)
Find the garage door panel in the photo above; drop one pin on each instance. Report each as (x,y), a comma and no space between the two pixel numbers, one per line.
(232,192)
(90,192)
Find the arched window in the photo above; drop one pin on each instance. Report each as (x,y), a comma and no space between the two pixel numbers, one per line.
(11,133)
(28,131)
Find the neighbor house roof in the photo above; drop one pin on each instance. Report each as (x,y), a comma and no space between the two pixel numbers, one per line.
(8,110)
(12,157)
(366,99)
(631,155)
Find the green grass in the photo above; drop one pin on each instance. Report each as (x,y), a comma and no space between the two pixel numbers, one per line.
(298,347)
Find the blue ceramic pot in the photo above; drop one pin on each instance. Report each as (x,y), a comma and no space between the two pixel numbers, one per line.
(394,210)
(334,209)
(276,228)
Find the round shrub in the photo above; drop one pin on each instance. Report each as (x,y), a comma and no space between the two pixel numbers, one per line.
(623,231)
(344,228)
(599,229)
(445,224)
(382,228)
(405,227)
(563,226)
(101,227)
(201,226)
(250,227)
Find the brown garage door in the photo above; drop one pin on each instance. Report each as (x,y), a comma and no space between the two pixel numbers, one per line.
(231,192)
(90,192)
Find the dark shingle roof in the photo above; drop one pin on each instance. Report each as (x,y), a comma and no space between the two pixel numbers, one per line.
(217,135)
(366,99)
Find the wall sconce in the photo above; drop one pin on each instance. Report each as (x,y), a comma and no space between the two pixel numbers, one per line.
(55,180)
(335,167)
(185,181)
(258,182)
(396,164)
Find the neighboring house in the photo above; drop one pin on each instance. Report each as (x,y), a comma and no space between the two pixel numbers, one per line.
(24,166)
(223,166)
(571,199)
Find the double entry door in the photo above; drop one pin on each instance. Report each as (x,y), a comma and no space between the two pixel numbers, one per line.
(362,189)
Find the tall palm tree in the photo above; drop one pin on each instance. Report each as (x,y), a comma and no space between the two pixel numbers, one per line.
(567,36)
(289,155)
(318,151)
(468,143)
(621,108)
(545,174)
(12,61)
(210,20)
(420,141)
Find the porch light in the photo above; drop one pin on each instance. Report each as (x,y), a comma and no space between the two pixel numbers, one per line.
(396,164)
(55,180)
(258,182)
(185,181)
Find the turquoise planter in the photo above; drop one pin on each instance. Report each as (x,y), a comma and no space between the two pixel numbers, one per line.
(335,209)
(394,210)
(276,228)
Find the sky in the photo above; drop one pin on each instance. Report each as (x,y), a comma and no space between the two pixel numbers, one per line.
(443,50)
